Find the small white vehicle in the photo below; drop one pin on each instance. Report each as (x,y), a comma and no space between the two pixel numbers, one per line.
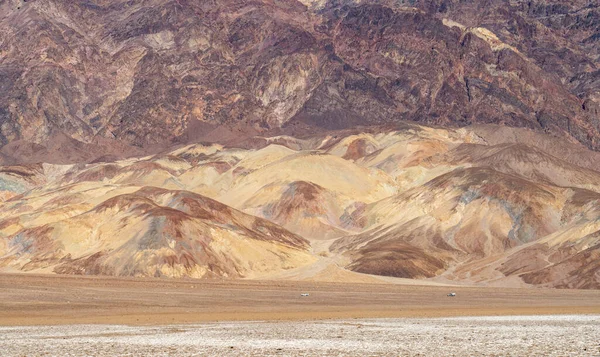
(304,294)
(452,294)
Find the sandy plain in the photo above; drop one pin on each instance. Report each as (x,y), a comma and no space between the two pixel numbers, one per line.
(49,315)
(63,300)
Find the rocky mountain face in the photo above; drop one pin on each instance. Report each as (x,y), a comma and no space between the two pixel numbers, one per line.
(120,77)
(342,140)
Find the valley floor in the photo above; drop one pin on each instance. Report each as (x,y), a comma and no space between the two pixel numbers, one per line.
(564,335)
(65,300)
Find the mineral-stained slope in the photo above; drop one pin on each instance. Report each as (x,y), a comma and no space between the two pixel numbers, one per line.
(467,214)
(448,205)
(142,232)
(303,139)
(80,80)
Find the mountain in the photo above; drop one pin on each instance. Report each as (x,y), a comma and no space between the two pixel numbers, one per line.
(83,80)
(415,202)
(95,229)
(452,141)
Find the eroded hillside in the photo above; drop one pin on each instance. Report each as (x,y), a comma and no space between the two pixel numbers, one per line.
(446,205)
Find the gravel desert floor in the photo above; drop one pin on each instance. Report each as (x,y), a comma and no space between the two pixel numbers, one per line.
(99,316)
(67,300)
(563,335)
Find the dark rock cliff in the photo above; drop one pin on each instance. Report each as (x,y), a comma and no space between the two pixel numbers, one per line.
(153,73)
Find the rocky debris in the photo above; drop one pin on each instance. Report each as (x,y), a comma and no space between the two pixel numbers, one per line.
(552,335)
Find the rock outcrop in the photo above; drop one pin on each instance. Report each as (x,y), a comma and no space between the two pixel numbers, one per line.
(81,80)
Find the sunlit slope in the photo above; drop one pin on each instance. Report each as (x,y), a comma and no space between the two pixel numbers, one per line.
(416,202)
(144,232)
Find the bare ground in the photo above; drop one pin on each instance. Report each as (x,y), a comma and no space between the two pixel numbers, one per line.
(464,336)
(63,300)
